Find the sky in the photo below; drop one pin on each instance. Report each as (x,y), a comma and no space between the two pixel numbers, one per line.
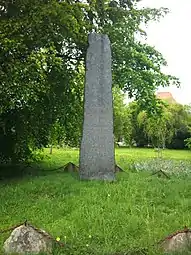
(172,37)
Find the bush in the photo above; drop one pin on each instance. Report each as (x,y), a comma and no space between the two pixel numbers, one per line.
(172,167)
(188,142)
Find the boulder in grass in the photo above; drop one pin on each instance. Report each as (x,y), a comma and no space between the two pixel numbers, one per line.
(26,240)
(179,242)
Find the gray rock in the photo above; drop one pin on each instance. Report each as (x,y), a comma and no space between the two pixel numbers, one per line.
(97,156)
(180,243)
(25,239)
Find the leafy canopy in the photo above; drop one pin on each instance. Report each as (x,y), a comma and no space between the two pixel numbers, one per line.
(43,46)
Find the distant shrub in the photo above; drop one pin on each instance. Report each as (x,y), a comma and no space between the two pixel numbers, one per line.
(170,166)
(188,143)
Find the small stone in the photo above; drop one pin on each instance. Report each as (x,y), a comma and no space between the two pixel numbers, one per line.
(118,169)
(71,167)
(25,239)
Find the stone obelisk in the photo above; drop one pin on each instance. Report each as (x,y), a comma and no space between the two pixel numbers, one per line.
(97,155)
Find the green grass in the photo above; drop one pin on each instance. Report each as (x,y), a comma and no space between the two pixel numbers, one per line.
(133,213)
(123,156)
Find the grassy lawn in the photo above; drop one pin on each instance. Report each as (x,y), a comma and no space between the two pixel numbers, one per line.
(123,156)
(95,217)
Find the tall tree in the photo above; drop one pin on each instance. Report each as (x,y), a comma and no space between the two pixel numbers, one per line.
(42,44)
(158,128)
(139,136)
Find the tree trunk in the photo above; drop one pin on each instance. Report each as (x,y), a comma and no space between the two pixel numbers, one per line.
(97,155)
(51,149)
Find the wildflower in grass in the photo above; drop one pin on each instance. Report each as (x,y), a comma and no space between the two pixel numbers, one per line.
(65,239)
(87,245)
(90,236)
(108,195)
(57,239)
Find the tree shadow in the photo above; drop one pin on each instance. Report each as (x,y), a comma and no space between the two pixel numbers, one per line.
(10,172)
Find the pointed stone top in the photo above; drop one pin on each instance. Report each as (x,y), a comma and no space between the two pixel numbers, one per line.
(93,37)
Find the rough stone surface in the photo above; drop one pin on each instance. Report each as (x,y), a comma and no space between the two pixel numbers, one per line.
(71,167)
(180,242)
(26,240)
(97,160)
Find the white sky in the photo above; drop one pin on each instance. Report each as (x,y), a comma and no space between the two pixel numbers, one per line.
(172,37)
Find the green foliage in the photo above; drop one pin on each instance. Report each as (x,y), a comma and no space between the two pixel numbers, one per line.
(37,71)
(122,118)
(99,218)
(73,120)
(168,129)
(188,142)
(137,66)
(171,167)
(182,125)
(67,128)
(138,134)
(43,46)
(56,134)
(158,128)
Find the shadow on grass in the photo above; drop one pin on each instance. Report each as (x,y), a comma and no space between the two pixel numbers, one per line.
(17,172)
